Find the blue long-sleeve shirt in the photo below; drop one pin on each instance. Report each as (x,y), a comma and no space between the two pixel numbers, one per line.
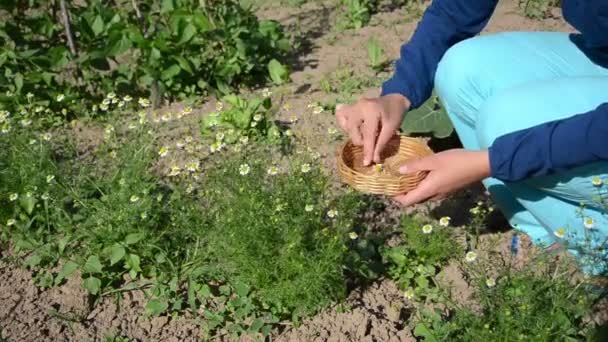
(536,151)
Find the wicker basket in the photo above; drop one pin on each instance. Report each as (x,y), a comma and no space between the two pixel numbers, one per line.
(383,179)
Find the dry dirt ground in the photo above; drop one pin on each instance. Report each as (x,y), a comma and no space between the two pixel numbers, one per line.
(376,313)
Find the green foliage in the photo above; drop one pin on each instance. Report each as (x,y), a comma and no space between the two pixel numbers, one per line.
(414,264)
(243,120)
(357,13)
(252,245)
(375,54)
(429,118)
(538,9)
(172,49)
(541,303)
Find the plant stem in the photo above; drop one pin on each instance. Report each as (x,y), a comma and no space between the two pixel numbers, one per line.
(68,29)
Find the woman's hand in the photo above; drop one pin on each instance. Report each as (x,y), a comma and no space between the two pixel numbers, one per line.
(449,171)
(372,122)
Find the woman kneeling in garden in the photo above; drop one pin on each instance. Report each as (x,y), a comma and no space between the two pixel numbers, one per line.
(530,108)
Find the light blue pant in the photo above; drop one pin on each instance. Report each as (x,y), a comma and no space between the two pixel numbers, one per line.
(491,85)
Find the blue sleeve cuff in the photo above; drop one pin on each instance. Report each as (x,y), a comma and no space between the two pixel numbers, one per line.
(551,147)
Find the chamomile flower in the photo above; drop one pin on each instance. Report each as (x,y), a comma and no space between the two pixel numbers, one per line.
(109,130)
(286,106)
(180,143)
(60,98)
(308,208)
(29,96)
(288,133)
(106,102)
(46,136)
(560,233)
(13,197)
(212,123)
(104,107)
(111,96)
(332,213)
(293,119)
(470,256)
(244,140)
(121,104)
(38,109)
(3,115)
(50,178)
(189,139)
(220,136)
(266,92)
(318,110)
(193,166)
(378,167)
(589,223)
(163,151)
(408,294)
(253,124)
(305,168)
(179,115)
(113,154)
(187,110)
(33,141)
(127,98)
(214,147)
(273,170)
(189,188)
(132,125)
(332,130)
(445,221)
(11,222)
(5,128)
(94,108)
(597,181)
(144,103)
(143,215)
(45,196)
(490,282)
(175,170)
(219,106)
(257,117)
(427,229)
(134,198)
(244,169)
(353,235)
(166,117)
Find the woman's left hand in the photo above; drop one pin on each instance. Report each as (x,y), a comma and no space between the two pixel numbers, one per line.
(449,171)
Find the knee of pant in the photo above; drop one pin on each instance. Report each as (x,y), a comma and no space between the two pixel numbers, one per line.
(493,118)
(457,73)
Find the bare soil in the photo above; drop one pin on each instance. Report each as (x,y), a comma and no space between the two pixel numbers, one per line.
(375,313)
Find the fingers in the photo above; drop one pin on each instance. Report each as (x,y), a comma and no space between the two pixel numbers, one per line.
(350,120)
(422,164)
(420,194)
(386,133)
(369,129)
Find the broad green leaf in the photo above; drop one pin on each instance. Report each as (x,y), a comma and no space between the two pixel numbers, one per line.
(93,265)
(18,82)
(68,268)
(133,238)
(155,307)
(27,203)
(170,72)
(187,34)
(430,117)
(166,6)
(133,262)
(241,289)
(183,63)
(278,72)
(97,25)
(92,284)
(118,44)
(421,330)
(116,254)
(33,260)
(256,325)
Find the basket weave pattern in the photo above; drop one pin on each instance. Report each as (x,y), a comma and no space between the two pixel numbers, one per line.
(383,179)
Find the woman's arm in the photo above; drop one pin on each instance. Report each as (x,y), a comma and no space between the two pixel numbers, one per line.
(551,147)
(444,23)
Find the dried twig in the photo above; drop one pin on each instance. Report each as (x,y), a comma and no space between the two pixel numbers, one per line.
(140,17)
(68,29)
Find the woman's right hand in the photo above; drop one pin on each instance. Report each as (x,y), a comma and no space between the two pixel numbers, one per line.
(372,122)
